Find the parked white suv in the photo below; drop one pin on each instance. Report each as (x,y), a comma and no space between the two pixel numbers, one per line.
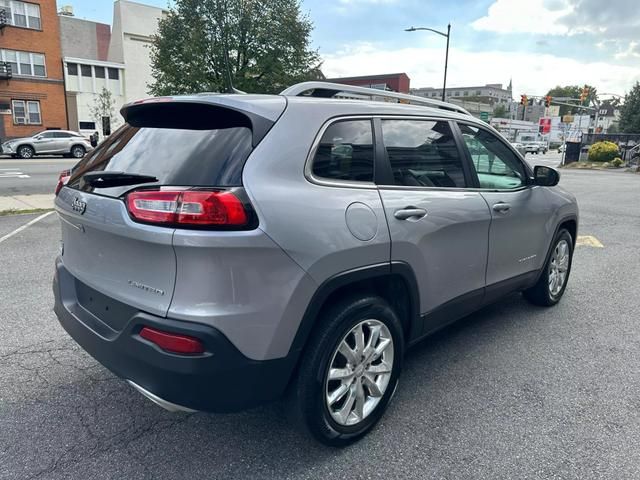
(48,142)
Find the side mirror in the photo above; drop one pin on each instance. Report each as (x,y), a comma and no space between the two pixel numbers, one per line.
(545,176)
(37,137)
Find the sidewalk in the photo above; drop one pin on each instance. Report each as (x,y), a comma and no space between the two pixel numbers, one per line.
(19,203)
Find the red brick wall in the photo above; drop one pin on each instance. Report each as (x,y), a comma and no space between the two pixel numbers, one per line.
(103,34)
(398,83)
(49,91)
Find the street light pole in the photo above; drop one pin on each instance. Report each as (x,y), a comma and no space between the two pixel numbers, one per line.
(446,58)
(446,62)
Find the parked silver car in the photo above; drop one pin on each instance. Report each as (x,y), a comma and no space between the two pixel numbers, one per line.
(221,250)
(48,142)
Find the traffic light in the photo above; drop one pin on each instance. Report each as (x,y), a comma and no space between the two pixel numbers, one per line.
(584,94)
(524,100)
(547,101)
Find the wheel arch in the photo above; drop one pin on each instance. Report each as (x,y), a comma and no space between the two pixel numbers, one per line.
(570,223)
(394,281)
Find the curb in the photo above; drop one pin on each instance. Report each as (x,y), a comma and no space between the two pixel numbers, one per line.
(26,203)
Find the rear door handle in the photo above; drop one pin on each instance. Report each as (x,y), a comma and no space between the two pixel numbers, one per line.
(501,207)
(410,212)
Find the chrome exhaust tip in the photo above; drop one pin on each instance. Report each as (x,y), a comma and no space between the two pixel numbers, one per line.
(172,407)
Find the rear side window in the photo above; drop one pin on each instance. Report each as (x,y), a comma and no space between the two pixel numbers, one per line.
(175,156)
(423,153)
(345,152)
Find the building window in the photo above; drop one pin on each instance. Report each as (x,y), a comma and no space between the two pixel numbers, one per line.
(114,74)
(26,112)
(24,63)
(85,70)
(457,94)
(466,93)
(38,65)
(478,92)
(99,72)
(22,14)
(87,125)
(72,68)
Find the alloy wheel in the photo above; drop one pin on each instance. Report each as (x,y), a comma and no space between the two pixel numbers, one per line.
(359,372)
(558,267)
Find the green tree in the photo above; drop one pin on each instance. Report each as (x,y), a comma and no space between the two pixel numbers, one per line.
(500,111)
(259,46)
(103,106)
(630,111)
(573,92)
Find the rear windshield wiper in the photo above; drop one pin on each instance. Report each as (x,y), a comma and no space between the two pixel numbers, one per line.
(116,179)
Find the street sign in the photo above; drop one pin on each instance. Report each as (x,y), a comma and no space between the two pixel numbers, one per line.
(484,116)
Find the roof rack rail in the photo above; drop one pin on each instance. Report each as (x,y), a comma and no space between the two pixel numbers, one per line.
(328,90)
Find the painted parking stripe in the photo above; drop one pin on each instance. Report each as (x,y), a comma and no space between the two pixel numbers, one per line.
(24,227)
(588,241)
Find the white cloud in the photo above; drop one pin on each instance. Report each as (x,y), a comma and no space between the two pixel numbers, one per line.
(632,51)
(524,16)
(533,74)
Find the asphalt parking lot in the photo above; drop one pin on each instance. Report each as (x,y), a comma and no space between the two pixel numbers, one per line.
(513,391)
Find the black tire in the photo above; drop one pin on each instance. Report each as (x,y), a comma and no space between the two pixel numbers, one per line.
(540,293)
(77,151)
(25,152)
(309,391)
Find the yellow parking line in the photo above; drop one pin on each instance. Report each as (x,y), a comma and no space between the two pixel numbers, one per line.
(589,241)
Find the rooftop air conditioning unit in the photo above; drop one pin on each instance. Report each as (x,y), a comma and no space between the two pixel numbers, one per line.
(66,10)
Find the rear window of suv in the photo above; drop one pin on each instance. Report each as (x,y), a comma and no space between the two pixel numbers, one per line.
(175,156)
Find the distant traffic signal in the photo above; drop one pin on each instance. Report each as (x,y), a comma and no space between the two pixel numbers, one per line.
(524,100)
(547,101)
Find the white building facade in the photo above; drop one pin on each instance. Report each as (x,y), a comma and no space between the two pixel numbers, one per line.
(131,38)
(86,80)
(99,59)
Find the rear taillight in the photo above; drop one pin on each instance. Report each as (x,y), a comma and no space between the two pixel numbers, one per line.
(62,180)
(197,208)
(172,342)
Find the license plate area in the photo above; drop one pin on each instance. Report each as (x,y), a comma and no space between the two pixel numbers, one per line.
(113,313)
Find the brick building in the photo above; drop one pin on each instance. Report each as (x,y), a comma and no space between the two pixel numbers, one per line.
(32,96)
(396,82)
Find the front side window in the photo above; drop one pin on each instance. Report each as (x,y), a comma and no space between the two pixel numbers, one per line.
(346,152)
(496,165)
(423,153)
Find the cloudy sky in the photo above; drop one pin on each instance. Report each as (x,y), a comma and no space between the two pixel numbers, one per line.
(538,43)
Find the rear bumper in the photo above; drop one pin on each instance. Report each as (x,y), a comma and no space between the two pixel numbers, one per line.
(219,380)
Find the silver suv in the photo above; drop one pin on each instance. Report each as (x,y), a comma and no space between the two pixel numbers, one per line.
(221,250)
(49,142)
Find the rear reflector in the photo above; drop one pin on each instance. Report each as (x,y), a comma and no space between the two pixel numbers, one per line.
(172,342)
(187,207)
(62,180)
